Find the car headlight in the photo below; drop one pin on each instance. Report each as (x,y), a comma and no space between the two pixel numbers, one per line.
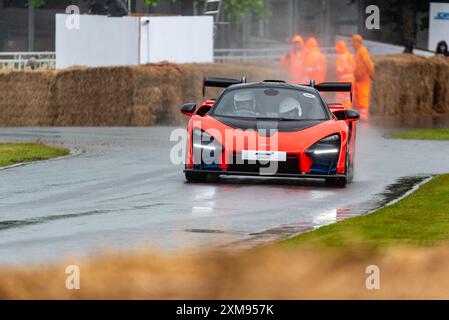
(326,146)
(203,140)
(198,133)
(206,150)
(325,154)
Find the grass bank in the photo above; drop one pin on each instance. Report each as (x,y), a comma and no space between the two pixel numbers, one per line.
(421,219)
(426,134)
(12,153)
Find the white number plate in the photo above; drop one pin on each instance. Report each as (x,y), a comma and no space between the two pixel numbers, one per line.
(264,155)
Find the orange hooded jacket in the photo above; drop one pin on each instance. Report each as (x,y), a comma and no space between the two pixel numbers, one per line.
(345,66)
(315,65)
(363,73)
(293,62)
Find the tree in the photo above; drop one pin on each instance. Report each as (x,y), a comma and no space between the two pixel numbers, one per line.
(37,3)
(235,8)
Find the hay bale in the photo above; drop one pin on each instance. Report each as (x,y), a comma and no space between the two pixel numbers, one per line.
(410,85)
(156,94)
(151,94)
(147,97)
(441,85)
(404,84)
(94,97)
(26,98)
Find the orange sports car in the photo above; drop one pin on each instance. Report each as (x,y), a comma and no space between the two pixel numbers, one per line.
(273,129)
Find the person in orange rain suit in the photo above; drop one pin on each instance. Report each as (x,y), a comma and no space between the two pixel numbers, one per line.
(363,74)
(293,61)
(315,65)
(345,66)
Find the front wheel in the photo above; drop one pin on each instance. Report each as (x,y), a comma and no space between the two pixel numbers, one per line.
(195,177)
(349,167)
(200,177)
(339,182)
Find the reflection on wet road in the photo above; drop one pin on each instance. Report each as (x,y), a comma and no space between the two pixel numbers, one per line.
(123,192)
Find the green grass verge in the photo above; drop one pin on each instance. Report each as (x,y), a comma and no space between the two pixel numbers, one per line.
(430,134)
(12,153)
(421,219)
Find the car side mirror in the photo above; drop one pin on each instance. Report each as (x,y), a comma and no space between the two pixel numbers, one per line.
(203,110)
(352,115)
(338,111)
(188,109)
(344,114)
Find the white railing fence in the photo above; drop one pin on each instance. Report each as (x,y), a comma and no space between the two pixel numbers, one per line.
(24,60)
(223,55)
(47,60)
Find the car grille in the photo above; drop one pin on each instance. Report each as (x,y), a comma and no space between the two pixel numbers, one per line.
(291,166)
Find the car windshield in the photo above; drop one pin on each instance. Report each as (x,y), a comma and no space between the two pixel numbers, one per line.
(271,103)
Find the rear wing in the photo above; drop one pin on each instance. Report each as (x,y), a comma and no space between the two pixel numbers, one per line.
(214,82)
(333,87)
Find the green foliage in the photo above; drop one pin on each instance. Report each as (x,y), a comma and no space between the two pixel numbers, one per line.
(37,3)
(153,3)
(430,134)
(238,8)
(11,153)
(235,8)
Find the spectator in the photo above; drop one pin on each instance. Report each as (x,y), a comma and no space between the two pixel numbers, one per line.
(293,61)
(116,8)
(315,65)
(409,45)
(97,7)
(442,49)
(32,63)
(112,8)
(345,67)
(363,74)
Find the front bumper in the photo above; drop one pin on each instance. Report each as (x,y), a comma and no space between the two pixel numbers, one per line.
(258,174)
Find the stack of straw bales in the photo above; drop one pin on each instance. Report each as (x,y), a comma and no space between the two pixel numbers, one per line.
(151,94)
(27,98)
(410,85)
(114,96)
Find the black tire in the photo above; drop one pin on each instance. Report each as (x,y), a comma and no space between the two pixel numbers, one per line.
(211,177)
(339,182)
(195,177)
(349,169)
(351,172)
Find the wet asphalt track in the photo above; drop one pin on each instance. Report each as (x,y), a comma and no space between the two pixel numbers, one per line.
(123,192)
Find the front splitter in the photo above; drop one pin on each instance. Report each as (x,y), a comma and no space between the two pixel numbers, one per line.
(259,174)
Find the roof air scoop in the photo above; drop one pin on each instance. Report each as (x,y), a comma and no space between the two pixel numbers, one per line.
(275,81)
